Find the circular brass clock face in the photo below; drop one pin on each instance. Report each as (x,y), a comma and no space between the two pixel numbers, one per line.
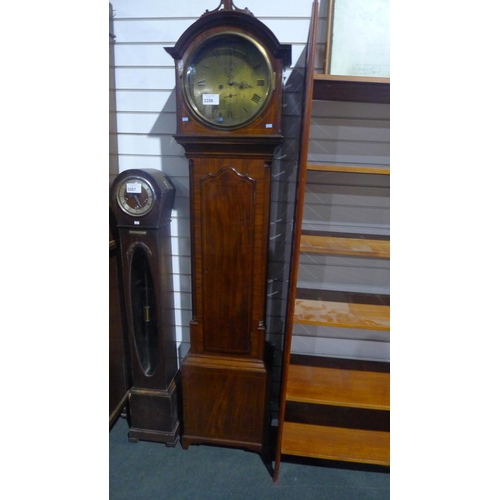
(228,80)
(135,196)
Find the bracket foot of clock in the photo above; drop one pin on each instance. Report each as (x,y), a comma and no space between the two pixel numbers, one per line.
(225,402)
(153,415)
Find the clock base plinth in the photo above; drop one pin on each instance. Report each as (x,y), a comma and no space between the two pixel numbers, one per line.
(225,402)
(153,415)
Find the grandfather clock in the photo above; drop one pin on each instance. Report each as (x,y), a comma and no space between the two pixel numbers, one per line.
(142,202)
(229,97)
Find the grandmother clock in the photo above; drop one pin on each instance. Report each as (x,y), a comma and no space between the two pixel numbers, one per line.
(142,202)
(229,97)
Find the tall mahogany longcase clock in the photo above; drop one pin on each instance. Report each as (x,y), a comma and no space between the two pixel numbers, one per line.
(142,202)
(229,69)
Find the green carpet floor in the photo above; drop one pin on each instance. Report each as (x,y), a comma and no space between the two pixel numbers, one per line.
(152,471)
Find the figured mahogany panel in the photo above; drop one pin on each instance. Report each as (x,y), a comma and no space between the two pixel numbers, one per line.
(228,217)
(230,227)
(226,402)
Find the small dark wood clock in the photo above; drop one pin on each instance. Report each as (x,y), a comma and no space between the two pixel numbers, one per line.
(229,69)
(142,202)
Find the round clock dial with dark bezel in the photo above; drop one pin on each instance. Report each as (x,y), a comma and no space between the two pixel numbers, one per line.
(228,80)
(135,196)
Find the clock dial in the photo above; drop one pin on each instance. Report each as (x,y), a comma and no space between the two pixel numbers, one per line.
(135,196)
(228,81)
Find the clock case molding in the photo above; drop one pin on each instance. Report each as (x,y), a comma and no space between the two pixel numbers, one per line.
(226,374)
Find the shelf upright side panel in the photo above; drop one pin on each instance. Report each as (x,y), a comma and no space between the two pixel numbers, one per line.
(299,206)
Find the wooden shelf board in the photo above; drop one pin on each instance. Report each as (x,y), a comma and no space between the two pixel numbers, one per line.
(353,79)
(332,245)
(348,168)
(338,387)
(335,443)
(342,314)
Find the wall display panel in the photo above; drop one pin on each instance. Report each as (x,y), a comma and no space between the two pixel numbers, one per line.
(358,38)
(130,9)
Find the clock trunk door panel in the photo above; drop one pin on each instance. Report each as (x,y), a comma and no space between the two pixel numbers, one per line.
(228,214)
(230,202)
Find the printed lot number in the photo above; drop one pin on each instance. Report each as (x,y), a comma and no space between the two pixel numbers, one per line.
(210,99)
(134,187)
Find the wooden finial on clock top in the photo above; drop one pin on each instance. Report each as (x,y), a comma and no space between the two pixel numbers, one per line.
(228,5)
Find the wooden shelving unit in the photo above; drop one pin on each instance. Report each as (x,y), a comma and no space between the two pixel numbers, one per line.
(335,409)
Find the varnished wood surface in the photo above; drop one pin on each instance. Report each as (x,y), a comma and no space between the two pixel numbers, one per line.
(340,296)
(341,363)
(349,168)
(332,245)
(354,89)
(225,401)
(119,367)
(335,443)
(230,232)
(338,416)
(330,386)
(228,219)
(340,314)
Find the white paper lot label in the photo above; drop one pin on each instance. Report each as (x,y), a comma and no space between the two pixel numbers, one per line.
(210,99)
(134,187)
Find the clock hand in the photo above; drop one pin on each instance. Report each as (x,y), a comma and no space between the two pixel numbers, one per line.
(230,67)
(137,201)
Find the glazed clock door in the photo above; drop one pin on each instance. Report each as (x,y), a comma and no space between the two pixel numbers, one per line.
(143,308)
(227,222)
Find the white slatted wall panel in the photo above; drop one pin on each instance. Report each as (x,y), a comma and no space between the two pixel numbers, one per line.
(145,117)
